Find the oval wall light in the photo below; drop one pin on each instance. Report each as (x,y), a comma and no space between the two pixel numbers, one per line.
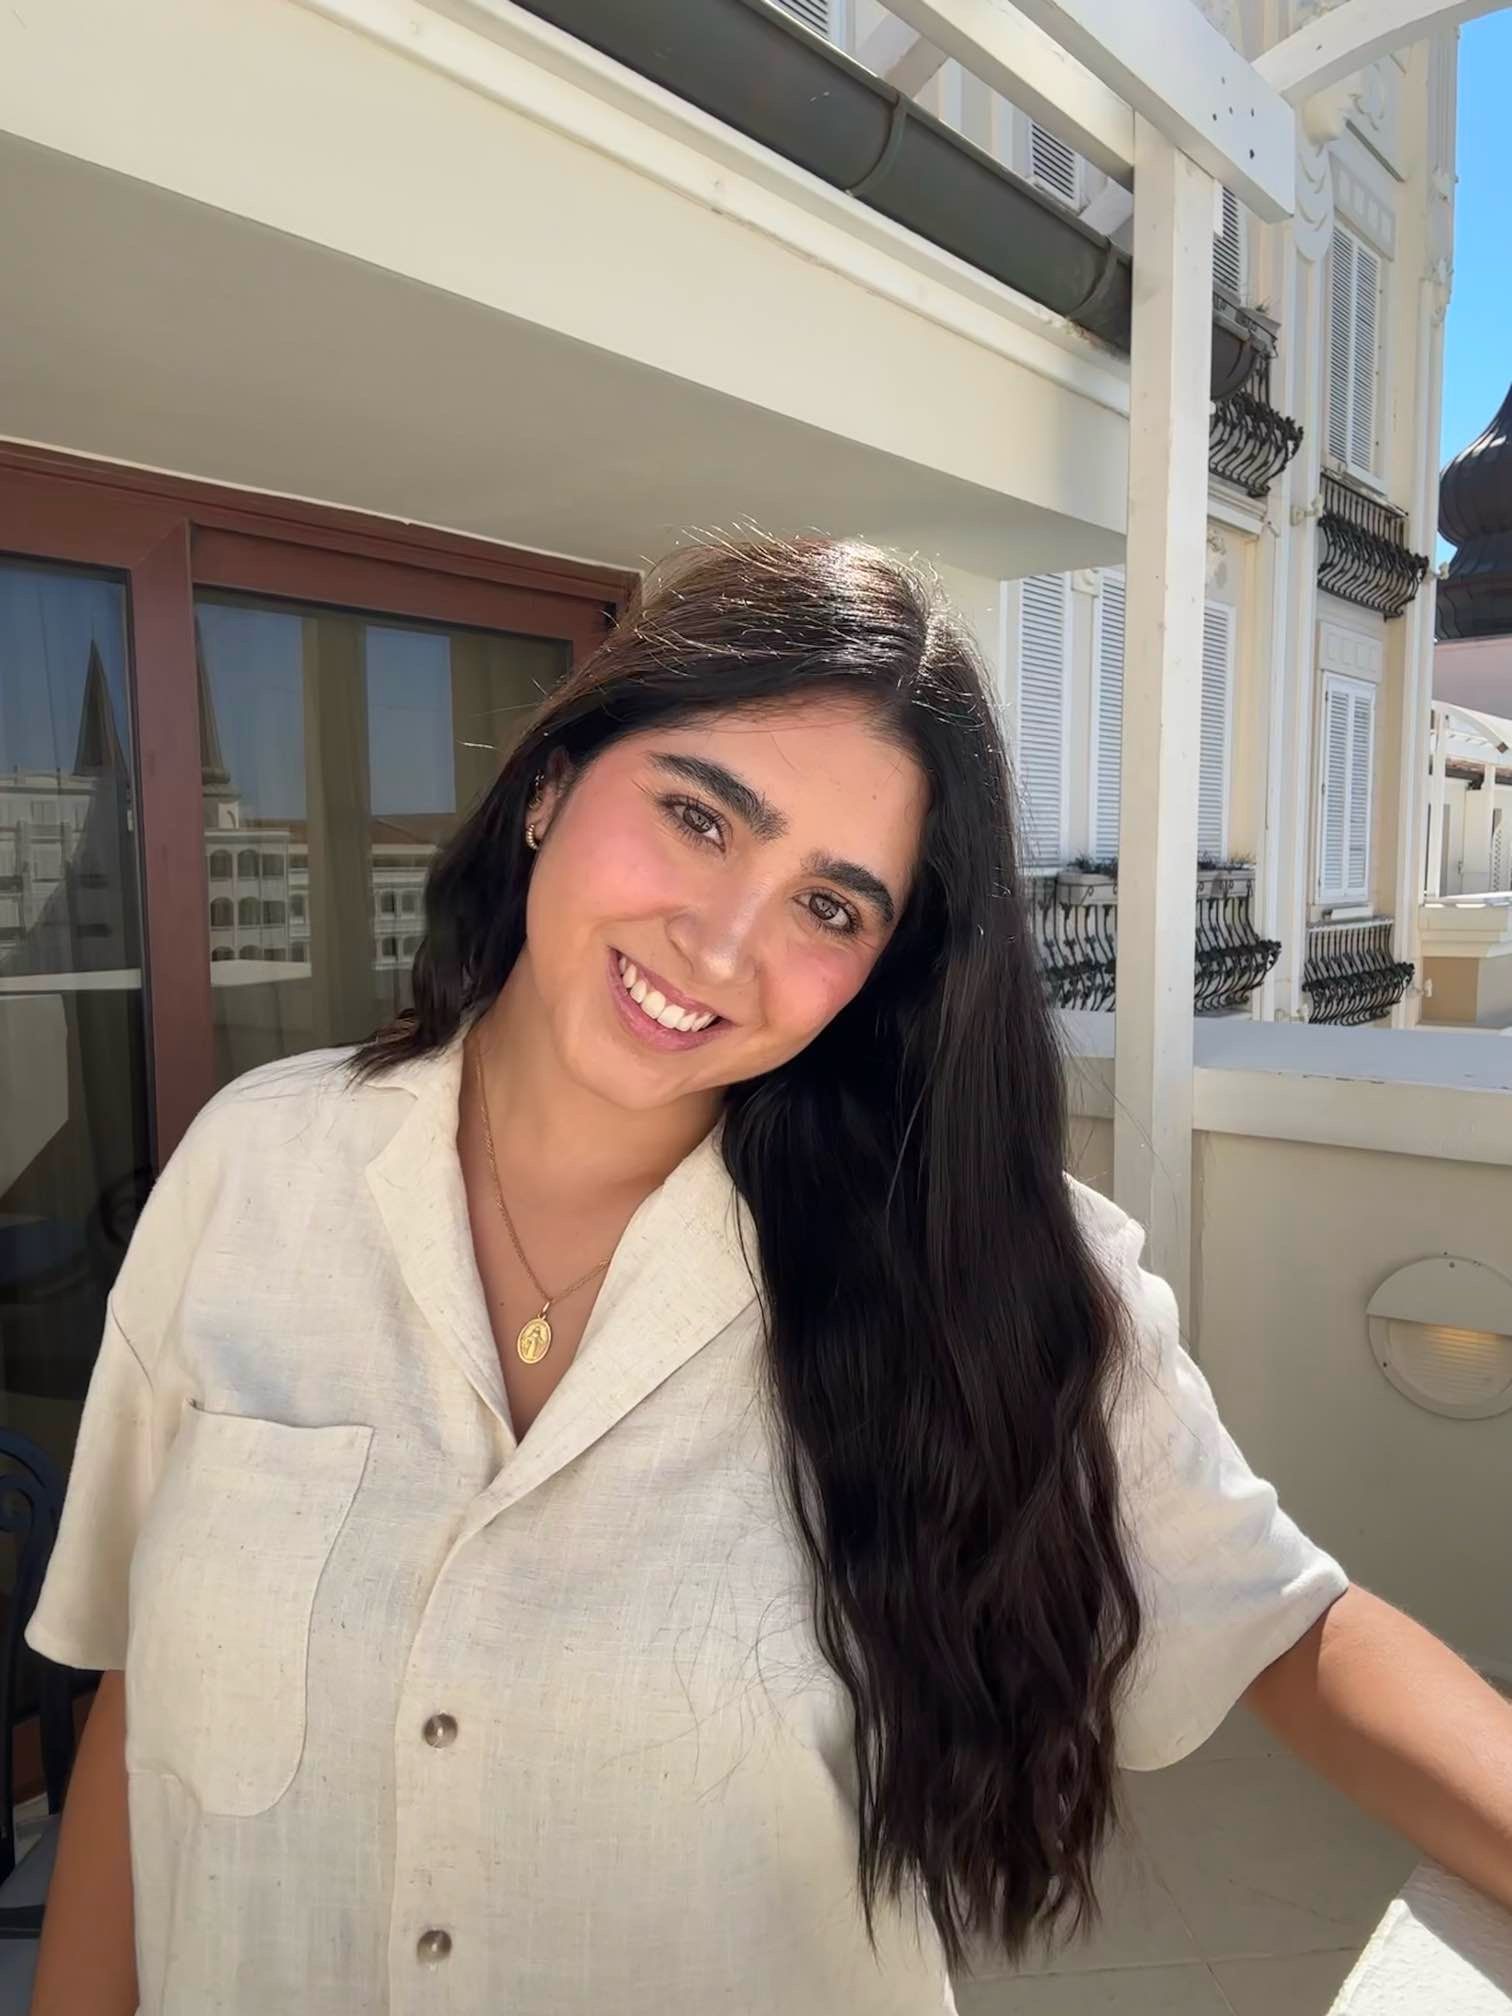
(1441,1331)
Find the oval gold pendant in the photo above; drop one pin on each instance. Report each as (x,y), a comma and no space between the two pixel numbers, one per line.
(534,1341)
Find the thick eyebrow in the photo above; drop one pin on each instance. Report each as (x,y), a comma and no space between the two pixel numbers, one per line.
(860,881)
(768,823)
(759,813)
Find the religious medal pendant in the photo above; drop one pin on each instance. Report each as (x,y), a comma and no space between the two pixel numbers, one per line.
(534,1341)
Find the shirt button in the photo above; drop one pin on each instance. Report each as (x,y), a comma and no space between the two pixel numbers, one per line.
(433,1946)
(440,1731)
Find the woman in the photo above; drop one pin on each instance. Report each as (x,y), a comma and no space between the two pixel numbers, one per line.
(646,1488)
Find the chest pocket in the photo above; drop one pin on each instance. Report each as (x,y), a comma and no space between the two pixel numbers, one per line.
(223,1584)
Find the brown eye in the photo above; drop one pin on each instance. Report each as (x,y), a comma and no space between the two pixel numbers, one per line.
(696,821)
(832,915)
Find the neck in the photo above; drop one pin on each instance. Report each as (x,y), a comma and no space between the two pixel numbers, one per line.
(566,1141)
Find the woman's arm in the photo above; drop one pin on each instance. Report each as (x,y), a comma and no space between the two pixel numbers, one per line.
(87,1962)
(1385,1711)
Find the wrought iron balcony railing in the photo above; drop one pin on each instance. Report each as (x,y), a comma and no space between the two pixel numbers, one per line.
(1076,930)
(1350,976)
(1249,442)
(1363,556)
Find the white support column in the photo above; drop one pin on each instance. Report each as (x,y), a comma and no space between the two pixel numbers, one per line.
(1282,285)
(1478,809)
(1297,784)
(1417,669)
(1438,743)
(1170,366)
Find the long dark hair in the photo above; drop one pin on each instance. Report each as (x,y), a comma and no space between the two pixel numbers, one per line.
(942,1347)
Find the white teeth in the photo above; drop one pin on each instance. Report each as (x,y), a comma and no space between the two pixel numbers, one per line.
(657,1006)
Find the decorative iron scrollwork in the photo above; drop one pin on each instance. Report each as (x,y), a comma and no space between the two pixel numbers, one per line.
(1350,977)
(1076,932)
(1249,442)
(1364,557)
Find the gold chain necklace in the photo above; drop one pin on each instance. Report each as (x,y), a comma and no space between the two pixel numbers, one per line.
(534,1340)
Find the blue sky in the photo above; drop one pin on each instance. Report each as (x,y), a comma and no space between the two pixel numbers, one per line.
(1478,335)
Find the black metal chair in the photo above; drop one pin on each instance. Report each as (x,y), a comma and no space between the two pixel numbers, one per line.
(31,1503)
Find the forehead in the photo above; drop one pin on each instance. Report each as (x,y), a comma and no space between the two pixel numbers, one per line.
(823,764)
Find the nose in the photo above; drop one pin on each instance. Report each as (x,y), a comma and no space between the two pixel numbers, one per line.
(718,940)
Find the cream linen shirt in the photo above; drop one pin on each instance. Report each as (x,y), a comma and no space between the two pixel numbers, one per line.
(424,1720)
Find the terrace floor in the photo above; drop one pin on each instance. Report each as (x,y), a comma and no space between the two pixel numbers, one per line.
(1247,1887)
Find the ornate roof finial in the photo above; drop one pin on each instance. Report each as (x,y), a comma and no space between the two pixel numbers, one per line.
(1475,515)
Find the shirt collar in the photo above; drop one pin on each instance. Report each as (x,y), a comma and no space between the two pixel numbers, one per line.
(679,1274)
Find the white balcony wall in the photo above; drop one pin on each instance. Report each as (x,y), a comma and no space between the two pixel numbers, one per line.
(1323,1161)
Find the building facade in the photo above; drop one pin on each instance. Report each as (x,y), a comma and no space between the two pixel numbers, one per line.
(1317,632)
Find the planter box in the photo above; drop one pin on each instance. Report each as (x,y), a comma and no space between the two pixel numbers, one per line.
(1078,886)
(1225,881)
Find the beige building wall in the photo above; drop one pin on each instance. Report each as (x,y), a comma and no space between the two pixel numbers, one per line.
(1291,1238)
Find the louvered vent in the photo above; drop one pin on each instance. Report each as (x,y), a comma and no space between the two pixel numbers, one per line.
(1053,166)
(1228,247)
(815,14)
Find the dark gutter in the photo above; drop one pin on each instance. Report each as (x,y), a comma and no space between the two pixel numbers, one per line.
(755,68)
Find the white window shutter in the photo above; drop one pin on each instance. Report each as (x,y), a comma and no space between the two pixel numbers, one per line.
(1228,245)
(816,14)
(1354,351)
(1362,396)
(1217,703)
(1053,166)
(1044,648)
(1348,757)
(1107,731)
(1341,322)
(1361,755)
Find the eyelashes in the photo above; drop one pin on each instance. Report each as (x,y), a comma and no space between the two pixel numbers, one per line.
(704,827)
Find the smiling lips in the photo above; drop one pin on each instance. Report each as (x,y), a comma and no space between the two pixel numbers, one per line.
(658,1003)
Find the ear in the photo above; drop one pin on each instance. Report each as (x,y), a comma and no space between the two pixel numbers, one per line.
(555,782)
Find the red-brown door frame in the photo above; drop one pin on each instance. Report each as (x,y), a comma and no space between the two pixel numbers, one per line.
(165,535)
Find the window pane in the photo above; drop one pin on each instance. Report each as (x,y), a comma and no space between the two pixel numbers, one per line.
(341,751)
(74,1143)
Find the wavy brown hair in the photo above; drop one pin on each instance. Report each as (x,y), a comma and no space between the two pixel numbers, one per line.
(942,1347)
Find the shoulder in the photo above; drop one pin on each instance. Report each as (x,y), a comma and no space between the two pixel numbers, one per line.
(264,1137)
(1155,1378)
(1115,1239)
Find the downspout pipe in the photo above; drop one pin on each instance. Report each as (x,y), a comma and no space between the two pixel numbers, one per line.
(755,68)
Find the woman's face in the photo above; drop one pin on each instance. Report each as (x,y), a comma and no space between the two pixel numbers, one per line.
(706,898)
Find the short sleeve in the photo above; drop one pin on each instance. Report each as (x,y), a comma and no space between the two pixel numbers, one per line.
(1229,1581)
(80,1618)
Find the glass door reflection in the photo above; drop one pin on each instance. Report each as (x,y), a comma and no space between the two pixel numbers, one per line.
(339,752)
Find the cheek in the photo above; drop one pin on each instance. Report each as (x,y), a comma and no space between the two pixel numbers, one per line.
(810,984)
(604,869)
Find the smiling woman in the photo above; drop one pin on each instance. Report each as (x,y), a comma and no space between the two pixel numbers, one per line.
(703,1505)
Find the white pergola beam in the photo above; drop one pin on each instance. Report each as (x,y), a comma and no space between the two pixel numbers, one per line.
(1162,58)
(900,56)
(1028,67)
(1337,44)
